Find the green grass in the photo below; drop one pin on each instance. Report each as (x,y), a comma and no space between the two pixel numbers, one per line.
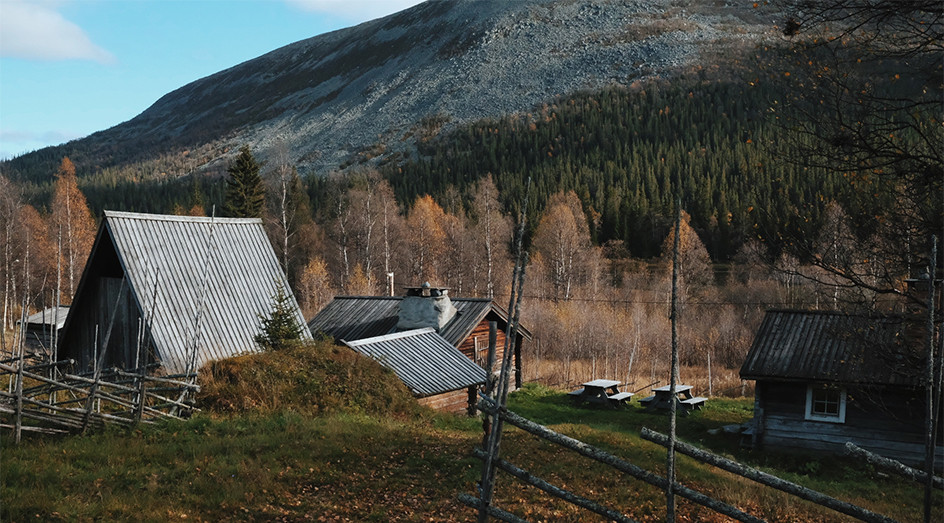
(292,465)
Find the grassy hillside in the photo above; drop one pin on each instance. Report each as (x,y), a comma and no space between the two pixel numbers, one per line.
(288,466)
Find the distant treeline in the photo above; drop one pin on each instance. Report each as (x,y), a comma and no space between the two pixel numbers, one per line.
(628,153)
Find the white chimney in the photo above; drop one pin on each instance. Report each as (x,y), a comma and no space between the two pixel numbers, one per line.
(425,307)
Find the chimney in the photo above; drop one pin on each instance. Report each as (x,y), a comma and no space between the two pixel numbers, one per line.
(425,306)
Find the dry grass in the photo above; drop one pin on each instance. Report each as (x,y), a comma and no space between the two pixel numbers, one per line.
(311,378)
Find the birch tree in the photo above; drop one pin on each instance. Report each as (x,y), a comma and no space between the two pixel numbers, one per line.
(289,210)
(72,219)
(491,232)
(563,240)
(426,238)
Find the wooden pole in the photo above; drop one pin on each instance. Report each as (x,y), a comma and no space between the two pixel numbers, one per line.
(673,374)
(19,386)
(487,483)
(932,405)
(767,479)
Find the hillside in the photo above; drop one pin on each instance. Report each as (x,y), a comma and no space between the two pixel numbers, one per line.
(400,79)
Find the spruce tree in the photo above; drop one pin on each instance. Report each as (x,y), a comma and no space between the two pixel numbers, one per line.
(245,194)
(281,328)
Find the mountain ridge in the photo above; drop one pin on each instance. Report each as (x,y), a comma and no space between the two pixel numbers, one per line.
(394,80)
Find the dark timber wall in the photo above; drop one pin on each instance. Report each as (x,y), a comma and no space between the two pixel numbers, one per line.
(887,421)
(90,317)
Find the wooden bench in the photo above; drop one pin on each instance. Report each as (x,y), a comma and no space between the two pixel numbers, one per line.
(647,400)
(694,403)
(575,395)
(621,396)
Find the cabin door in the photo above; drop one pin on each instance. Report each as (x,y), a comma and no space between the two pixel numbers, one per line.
(120,351)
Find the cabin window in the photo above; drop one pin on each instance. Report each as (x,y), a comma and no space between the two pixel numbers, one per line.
(481,352)
(826,403)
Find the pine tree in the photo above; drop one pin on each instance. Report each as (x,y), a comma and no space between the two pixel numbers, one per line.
(245,194)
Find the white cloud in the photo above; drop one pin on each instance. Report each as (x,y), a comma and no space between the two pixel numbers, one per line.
(36,31)
(356,10)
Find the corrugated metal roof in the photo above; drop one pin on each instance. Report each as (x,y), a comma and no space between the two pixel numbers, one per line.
(47,317)
(165,259)
(833,347)
(423,360)
(359,317)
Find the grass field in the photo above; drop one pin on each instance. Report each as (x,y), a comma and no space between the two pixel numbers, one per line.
(287,466)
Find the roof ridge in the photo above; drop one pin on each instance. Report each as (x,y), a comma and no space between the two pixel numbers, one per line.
(177,218)
(867,315)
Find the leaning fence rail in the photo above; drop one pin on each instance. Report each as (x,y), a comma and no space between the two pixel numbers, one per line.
(767,479)
(891,465)
(490,407)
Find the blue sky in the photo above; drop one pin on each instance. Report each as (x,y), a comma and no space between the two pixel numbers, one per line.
(69,68)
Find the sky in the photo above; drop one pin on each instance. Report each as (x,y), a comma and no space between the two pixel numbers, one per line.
(69,68)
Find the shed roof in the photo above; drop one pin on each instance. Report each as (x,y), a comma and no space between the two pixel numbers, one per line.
(173,264)
(833,347)
(423,360)
(359,317)
(46,317)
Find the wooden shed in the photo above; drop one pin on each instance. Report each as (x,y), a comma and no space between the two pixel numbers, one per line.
(825,378)
(436,372)
(41,329)
(185,290)
(354,318)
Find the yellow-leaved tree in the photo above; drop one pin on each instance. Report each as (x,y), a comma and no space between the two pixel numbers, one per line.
(71,227)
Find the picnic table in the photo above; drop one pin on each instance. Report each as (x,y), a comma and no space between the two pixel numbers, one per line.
(663,396)
(601,392)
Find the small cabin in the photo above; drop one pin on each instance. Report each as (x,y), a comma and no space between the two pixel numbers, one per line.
(462,322)
(173,292)
(827,378)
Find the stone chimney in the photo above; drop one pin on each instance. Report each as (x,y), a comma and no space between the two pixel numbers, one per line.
(425,306)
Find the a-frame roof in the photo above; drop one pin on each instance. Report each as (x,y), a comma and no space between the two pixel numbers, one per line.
(423,360)
(834,347)
(358,317)
(187,275)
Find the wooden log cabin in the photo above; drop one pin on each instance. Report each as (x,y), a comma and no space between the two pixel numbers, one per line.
(825,378)
(462,322)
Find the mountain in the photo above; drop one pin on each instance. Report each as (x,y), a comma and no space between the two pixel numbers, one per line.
(376,88)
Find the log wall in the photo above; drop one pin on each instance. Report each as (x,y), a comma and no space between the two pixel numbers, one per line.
(456,401)
(889,422)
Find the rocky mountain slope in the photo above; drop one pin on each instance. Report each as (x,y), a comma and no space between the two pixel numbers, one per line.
(375,88)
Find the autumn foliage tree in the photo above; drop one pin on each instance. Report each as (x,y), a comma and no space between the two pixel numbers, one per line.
(71,226)
(491,235)
(562,239)
(426,238)
(694,262)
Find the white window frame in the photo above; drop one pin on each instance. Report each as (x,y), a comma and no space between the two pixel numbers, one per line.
(817,416)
